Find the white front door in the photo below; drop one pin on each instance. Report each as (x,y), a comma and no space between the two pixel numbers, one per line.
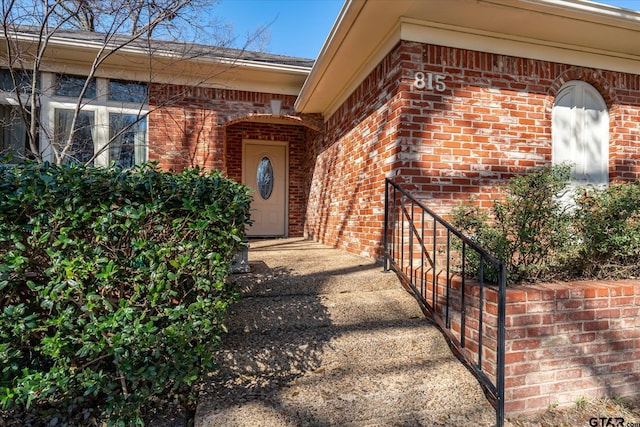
(265,172)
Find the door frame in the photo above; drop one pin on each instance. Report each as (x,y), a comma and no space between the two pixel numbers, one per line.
(284,144)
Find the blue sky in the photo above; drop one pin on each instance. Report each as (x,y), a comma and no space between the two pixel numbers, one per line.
(300,27)
(295,27)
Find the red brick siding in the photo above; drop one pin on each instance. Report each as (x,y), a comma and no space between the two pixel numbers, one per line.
(351,162)
(187,124)
(181,136)
(492,122)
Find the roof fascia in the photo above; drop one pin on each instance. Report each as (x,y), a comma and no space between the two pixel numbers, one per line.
(132,63)
(346,18)
(579,9)
(365,68)
(338,64)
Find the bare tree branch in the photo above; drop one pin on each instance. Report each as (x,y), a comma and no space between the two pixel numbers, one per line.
(115,25)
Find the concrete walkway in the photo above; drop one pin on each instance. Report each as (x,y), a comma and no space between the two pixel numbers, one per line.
(325,338)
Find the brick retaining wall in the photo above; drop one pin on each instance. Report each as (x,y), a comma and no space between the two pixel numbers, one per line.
(563,341)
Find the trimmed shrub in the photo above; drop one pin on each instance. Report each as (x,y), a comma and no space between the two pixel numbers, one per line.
(541,234)
(530,230)
(112,286)
(607,223)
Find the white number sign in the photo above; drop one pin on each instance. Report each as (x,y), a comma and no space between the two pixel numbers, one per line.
(429,81)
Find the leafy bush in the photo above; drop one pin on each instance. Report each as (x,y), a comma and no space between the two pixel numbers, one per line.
(112,286)
(607,223)
(541,234)
(530,230)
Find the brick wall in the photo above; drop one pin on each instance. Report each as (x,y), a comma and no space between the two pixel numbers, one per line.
(350,163)
(569,341)
(563,341)
(493,121)
(186,125)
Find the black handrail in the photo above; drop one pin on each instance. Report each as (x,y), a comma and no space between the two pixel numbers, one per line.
(405,240)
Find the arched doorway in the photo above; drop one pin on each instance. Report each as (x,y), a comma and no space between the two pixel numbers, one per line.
(269,154)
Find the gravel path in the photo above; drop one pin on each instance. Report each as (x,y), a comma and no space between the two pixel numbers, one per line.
(324,338)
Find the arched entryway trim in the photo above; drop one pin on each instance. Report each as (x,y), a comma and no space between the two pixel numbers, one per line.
(279,120)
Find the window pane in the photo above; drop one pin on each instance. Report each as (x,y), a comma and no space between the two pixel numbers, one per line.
(128,135)
(13,136)
(72,86)
(127,91)
(265,178)
(82,146)
(23,80)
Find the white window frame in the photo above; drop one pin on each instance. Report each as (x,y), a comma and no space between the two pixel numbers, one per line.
(101,106)
(8,98)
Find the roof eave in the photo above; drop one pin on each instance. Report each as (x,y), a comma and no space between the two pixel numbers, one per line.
(132,62)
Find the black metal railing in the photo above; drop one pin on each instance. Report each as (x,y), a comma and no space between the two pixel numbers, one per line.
(460,286)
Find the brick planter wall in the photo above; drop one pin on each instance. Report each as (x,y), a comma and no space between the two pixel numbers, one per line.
(564,341)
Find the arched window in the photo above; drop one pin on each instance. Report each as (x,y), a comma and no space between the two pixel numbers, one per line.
(580,133)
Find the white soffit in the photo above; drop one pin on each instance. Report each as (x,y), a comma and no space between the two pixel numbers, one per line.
(576,32)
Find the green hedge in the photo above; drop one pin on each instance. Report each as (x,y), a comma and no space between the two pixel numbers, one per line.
(112,286)
(607,224)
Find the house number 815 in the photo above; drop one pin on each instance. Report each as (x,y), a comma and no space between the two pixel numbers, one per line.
(429,81)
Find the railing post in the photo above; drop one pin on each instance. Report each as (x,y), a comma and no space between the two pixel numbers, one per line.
(411,237)
(385,238)
(448,281)
(463,292)
(423,278)
(434,277)
(502,310)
